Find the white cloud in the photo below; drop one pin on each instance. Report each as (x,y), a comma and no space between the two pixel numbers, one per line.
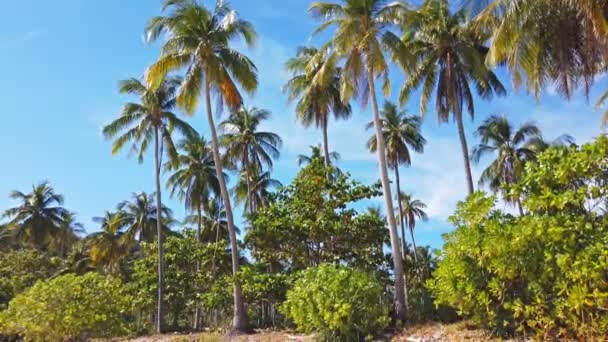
(22,38)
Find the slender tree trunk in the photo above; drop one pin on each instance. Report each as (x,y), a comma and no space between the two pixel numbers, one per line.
(199,231)
(240,322)
(326,144)
(401,218)
(465,153)
(248,177)
(159,233)
(399,305)
(519,207)
(414,244)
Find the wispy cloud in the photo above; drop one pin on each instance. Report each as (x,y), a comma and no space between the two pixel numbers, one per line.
(22,38)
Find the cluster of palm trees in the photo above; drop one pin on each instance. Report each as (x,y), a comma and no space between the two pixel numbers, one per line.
(447,55)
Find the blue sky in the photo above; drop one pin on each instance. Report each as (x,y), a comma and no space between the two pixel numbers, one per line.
(61,61)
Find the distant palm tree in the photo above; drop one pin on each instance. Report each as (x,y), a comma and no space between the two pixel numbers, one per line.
(362,27)
(67,234)
(316,100)
(258,191)
(412,210)
(107,247)
(444,54)
(401,132)
(194,180)
(141,123)
(513,149)
(37,219)
(315,152)
(140,216)
(248,148)
(199,40)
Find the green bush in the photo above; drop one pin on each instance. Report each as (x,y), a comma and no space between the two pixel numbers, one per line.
(69,307)
(544,271)
(338,303)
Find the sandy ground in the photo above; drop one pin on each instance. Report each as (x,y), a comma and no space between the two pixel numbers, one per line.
(425,333)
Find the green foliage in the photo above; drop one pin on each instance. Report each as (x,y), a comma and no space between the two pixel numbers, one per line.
(69,307)
(310,223)
(21,269)
(544,271)
(263,291)
(339,303)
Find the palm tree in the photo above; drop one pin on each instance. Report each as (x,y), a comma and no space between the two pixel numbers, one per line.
(412,210)
(199,40)
(558,41)
(36,220)
(140,123)
(257,192)
(140,216)
(315,99)
(315,152)
(401,132)
(514,148)
(249,148)
(107,247)
(601,102)
(361,28)
(67,234)
(443,54)
(194,180)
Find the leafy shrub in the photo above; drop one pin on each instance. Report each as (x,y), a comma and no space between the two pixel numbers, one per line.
(544,271)
(337,302)
(69,307)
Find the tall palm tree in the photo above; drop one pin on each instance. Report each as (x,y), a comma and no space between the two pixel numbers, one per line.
(412,210)
(315,152)
(316,100)
(141,123)
(249,148)
(361,28)
(513,148)
(559,41)
(36,220)
(194,180)
(107,247)
(257,192)
(401,132)
(199,40)
(444,54)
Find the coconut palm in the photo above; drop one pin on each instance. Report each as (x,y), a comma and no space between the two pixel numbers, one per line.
(361,28)
(558,41)
(401,133)
(443,55)
(513,149)
(199,40)
(411,210)
(67,234)
(315,152)
(258,190)
(194,180)
(316,100)
(601,102)
(36,220)
(248,148)
(140,216)
(107,247)
(151,121)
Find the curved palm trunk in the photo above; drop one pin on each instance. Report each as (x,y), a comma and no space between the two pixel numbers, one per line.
(240,322)
(401,218)
(159,233)
(465,153)
(199,231)
(414,244)
(399,305)
(326,144)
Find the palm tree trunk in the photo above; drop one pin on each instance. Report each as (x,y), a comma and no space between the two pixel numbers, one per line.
(404,243)
(240,322)
(414,244)
(465,153)
(399,305)
(199,231)
(159,233)
(326,144)
(519,207)
(248,177)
